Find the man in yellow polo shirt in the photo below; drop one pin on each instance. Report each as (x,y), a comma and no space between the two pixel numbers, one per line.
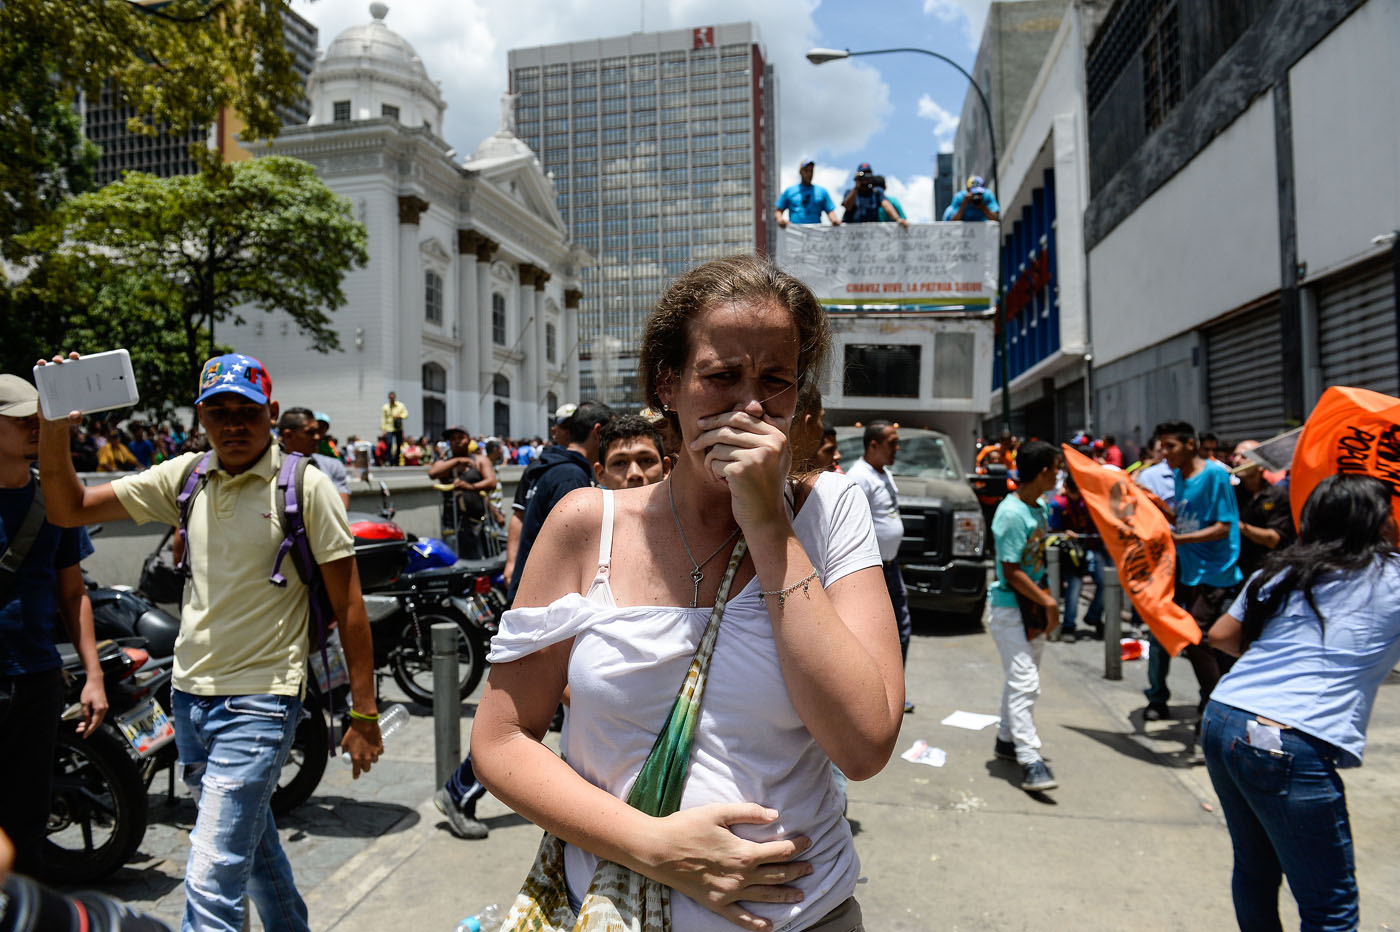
(240,660)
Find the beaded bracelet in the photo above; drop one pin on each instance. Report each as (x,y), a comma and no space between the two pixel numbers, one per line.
(804,584)
(362,717)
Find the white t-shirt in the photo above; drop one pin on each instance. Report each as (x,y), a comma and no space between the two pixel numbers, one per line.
(879,490)
(750,745)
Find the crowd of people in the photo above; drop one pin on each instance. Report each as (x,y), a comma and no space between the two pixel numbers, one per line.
(629,538)
(1298,626)
(868,200)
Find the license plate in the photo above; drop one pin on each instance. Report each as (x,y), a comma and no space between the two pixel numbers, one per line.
(147,728)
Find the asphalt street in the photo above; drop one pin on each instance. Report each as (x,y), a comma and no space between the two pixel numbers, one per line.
(1132,839)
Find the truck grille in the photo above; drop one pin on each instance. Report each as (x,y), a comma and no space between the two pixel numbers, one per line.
(926,535)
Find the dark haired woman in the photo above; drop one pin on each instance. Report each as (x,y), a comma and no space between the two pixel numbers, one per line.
(806,668)
(1319,627)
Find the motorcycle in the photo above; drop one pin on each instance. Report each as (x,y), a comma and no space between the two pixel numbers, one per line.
(98,815)
(129,615)
(430,586)
(432,591)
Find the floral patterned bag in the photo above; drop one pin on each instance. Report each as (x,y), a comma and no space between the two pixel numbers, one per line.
(619,899)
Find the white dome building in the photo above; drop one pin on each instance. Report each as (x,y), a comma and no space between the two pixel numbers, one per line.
(468,308)
(371,71)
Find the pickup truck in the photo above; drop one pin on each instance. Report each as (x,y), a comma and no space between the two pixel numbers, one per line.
(943,557)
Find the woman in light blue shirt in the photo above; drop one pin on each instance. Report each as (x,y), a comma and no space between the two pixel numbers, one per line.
(1319,627)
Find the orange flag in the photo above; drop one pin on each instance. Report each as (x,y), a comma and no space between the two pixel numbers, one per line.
(1139,539)
(1352,430)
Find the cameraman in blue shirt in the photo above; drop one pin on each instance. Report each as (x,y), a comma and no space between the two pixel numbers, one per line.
(805,202)
(864,202)
(975,203)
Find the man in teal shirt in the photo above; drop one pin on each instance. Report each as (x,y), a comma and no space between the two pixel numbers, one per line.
(1019,529)
(1206,531)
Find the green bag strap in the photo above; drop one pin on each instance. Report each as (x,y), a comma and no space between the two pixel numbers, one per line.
(657,791)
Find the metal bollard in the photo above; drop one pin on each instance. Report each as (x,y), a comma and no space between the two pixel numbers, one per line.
(1112,625)
(447,704)
(1052,573)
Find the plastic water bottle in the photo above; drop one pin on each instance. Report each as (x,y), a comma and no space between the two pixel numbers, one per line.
(390,721)
(488,920)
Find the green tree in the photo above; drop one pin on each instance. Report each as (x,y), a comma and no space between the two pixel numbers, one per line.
(178,63)
(156,264)
(47,157)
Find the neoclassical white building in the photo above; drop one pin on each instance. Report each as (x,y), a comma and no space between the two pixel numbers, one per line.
(468,307)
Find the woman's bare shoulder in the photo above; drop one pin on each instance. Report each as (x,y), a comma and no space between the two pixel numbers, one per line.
(576,518)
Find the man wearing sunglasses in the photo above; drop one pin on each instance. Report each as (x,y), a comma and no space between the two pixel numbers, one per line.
(240,660)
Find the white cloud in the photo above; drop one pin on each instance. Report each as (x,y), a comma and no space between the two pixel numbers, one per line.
(915,196)
(971,14)
(945,124)
(463,44)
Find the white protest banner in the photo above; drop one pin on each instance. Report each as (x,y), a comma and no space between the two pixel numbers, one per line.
(925,265)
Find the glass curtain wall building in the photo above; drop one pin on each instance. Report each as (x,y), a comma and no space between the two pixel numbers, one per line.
(663,150)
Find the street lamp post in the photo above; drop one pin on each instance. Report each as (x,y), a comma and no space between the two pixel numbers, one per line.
(821,57)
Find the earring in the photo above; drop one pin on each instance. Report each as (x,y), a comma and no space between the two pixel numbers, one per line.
(665,408)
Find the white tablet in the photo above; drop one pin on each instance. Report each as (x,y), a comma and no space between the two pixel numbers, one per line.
(99,382)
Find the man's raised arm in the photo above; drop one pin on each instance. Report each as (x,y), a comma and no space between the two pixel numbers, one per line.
(67,502)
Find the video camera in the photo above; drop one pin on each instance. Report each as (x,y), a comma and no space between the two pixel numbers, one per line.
(26,906)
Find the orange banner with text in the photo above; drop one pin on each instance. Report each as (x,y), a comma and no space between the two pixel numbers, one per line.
(1352,430)
(1139,539)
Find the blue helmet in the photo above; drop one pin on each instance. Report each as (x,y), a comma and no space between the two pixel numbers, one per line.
(428,554)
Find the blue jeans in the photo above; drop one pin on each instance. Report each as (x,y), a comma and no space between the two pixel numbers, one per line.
(1075,584)
(1205,604)
(1287,814)
(464,788)
(899,599)
(232,749)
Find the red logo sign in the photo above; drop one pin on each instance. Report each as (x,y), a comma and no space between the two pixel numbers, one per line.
(704,37)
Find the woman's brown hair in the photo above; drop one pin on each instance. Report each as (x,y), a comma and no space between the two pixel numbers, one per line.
(666,340)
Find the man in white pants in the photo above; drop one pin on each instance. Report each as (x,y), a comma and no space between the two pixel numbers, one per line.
(1020,627)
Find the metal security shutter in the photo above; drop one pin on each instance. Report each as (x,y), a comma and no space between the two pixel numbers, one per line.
(1356,329)
(1244,376)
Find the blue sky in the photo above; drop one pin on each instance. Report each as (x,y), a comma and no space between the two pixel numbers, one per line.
(894,111)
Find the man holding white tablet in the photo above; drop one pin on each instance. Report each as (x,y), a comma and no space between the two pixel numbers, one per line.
(240,660)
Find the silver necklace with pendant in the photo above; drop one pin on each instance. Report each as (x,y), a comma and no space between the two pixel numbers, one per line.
(697,573)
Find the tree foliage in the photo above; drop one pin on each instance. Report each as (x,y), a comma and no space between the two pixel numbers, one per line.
(153,264)
(178,63)
(47,157)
